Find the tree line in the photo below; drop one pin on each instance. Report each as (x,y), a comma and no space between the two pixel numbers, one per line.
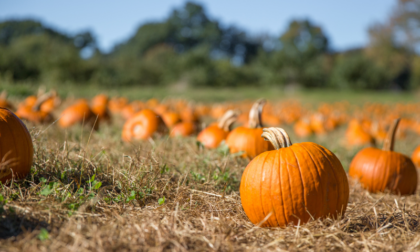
(191,48)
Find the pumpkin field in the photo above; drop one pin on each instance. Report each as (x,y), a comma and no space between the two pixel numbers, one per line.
(111,173)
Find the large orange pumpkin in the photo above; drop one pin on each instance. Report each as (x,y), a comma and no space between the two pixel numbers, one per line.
(16,150)
(294,183)
(212,136)
(247,139)
(142,126)
(79,112)
(380,170)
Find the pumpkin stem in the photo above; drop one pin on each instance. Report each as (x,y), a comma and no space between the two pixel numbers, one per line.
(277,136)
(227,120)
(41,100)
(390,137)
(255,114)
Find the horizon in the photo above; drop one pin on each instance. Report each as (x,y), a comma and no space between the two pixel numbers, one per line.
(110,32)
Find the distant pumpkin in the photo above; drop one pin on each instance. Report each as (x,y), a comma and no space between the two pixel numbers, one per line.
(183,129)
(142,126)
(248,139)
(99,106)
(212,136)
(380,170)
(79,112)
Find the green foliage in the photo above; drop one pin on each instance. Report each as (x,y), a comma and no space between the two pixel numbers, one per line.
(189,48)
(357,72)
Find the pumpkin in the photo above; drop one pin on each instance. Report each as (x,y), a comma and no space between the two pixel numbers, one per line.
(4,103)
(380,170)
(142,126)
(31,111)
(302,128)
(247,139)
(171,118)
(293,183)
(79,112)
(50,103)
(415,157)
(99,106)
(115,105)
(16,150)
(356,135)
(212,136)
(183,129)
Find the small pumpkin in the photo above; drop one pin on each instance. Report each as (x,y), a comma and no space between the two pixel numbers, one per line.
(79,112)
(212,136)
(99,106)
(356,135)
(142,126)
(247,139)
(171,118)
(16,150)
(31,110)
(116,104)
(380,170)
(293,183)
(302,128)
(183,129)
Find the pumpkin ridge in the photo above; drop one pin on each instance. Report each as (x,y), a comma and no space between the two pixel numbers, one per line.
(343,189)
(372,179)
(335,176)
(271,186)
(386,181)
(286,217)
(290,189)
(261,196)
(301,180)
(319,179)
(14,174)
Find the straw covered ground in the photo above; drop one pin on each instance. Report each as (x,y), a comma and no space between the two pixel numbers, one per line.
(89,191)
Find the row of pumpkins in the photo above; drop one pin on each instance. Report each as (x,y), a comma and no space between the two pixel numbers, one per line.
(284,183)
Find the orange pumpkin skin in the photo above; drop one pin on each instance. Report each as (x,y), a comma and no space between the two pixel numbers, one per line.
(294,183)
(212,136)
(302,128)
(16,150)
(142,126)
(115,105)
(99,107)
(378,170)
(247,140)
(79,112)
(183,129)
(415,157)
(27,113)
(171,118)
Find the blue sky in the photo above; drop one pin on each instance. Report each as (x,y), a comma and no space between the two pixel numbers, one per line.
(345,22)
